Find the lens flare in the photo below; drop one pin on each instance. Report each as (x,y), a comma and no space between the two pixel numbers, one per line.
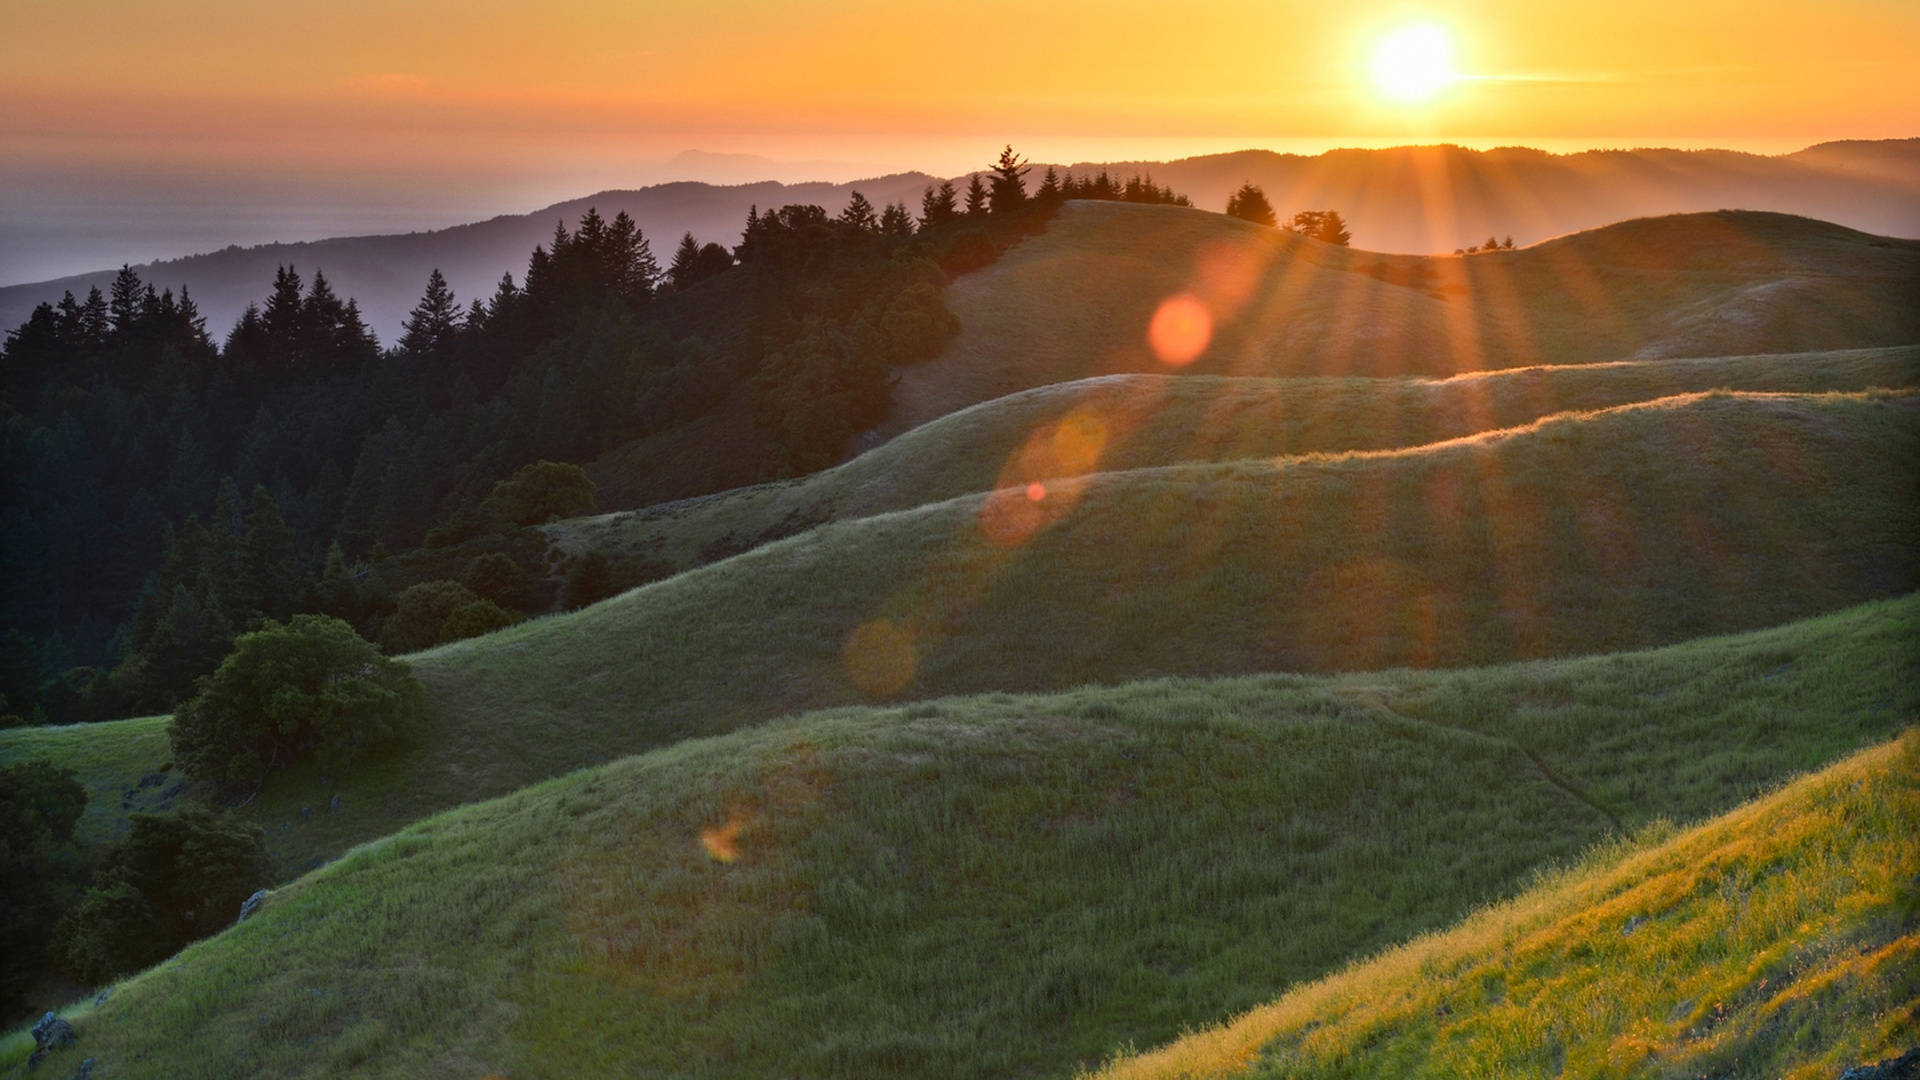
(880,657)
(1181,330)
(722,842)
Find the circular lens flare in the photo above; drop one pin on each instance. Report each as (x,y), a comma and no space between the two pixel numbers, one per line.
(1180,330)
(1415,63)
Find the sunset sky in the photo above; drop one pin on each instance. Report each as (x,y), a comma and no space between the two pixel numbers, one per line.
(312,118)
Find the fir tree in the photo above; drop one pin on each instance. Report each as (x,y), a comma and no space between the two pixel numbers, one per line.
(431,326)
(1050,191)
(1009,187)
(1250,204)
(859,214)
(939,205)
(976,197)
(896,223)
(680,274)
(124,307)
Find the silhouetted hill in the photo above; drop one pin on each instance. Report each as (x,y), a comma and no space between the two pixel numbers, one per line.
(1409,199)
(1438,198)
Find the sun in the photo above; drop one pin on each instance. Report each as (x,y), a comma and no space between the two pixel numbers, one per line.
(1414,63)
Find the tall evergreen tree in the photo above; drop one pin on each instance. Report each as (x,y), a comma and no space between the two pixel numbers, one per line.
(1009,187)
(123,309)
(680,274)
(430,329)
(896,223)
(1050,190)
(976,197)
(939,205)
(859,214)
(284,317)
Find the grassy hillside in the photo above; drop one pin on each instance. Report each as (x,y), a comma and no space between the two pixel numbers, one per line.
(1582,534)
(1117,423)
(119,763)
(1076,301)
(1782,940)
(991,886)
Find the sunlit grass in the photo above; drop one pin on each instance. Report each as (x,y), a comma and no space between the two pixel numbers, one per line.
(1628,529)
(1779,940)
(1151,420)
(1078,300)
(992,886)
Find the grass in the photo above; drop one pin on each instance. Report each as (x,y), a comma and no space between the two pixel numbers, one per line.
(1000,885)
(1076,301)
(121,764)
(1124,422)
(1585,534)
(1782,940)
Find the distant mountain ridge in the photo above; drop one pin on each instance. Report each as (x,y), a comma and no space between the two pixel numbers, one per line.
(1407,199)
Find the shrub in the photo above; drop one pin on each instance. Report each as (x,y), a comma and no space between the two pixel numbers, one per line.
(541,492)
(589,581)
(176,878)
(421,613)
(309,686)
(496,577)
(39,806)
(472,620)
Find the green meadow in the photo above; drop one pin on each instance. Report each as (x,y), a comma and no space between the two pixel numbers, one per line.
(1077,301)
(1780,940)
(1118,423)
(1491,666)
(994,885)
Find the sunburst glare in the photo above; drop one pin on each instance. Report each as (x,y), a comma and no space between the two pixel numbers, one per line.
(1415,63)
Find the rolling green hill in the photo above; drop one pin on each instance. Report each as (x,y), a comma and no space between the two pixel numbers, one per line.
(1585,533)
(999,885)
(1782,940)
(1077,301)
(1118,423)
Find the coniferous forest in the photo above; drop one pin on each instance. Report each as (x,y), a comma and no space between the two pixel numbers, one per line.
(168,485)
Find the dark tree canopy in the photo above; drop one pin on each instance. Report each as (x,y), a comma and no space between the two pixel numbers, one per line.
(1323,225)
(939,205)
(310,686)
(1250,203)
(541,492)
(176,878)
(40,804)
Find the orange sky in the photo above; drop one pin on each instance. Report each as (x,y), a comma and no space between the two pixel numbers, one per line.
(133,129)
(388,83)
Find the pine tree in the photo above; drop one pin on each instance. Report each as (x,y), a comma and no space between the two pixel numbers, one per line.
(1050,191)
(859,213)
(1009,188)
(1333,230)
(680,274)
(939,206)
(283,317)
(95,319)
(124,307)
(267,576)
(1250,204)
(976,197)
(633,272)
(896,223)
(431,327)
